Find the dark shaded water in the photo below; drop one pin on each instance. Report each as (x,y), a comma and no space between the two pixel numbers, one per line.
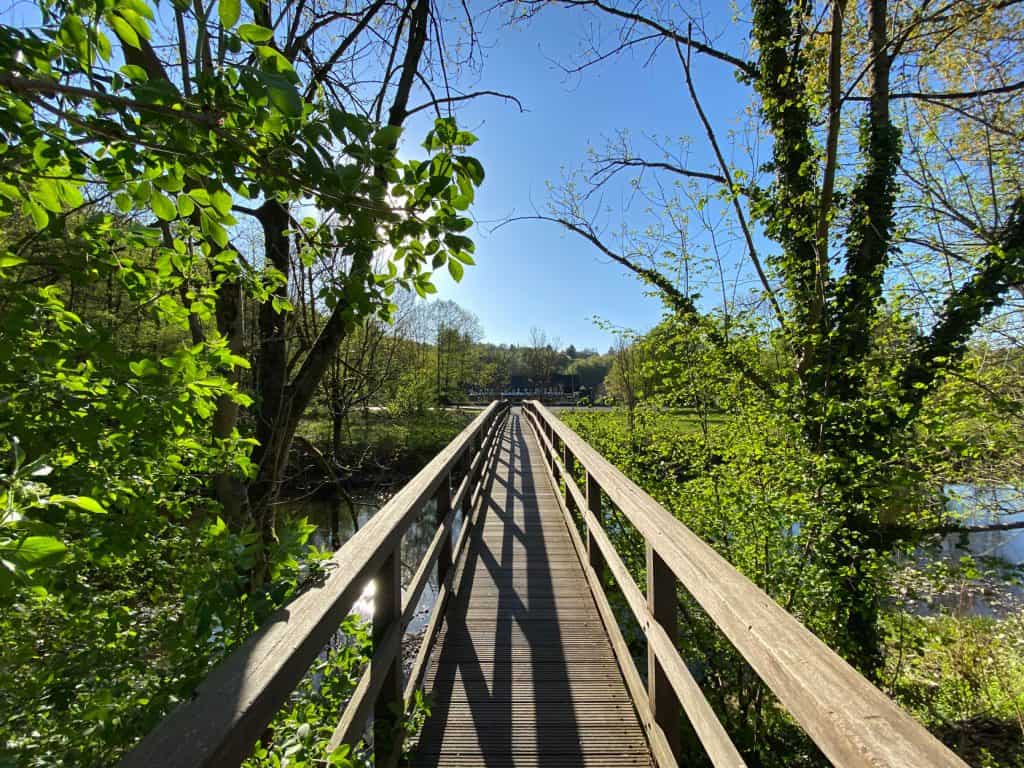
(335,523)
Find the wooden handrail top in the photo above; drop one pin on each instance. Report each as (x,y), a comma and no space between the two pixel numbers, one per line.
(850,720)
(232,707)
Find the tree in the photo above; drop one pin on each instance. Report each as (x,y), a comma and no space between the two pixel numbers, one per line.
(219,118)
(830,199)
(625,377)
(542,357)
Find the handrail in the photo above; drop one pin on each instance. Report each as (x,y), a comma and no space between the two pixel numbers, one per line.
(232,707)
(852,722)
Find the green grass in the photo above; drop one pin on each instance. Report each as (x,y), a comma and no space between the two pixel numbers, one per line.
(674,423)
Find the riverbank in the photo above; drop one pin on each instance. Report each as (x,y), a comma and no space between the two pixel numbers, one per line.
(377,449)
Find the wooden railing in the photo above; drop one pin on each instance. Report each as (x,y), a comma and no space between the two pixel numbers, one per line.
(851,721)
(231,709)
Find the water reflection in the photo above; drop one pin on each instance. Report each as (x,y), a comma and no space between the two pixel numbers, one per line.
(976,506)
(999,554)
(335,524)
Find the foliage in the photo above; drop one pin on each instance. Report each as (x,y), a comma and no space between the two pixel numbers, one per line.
(964,678)
(140,587)
(388,444)
(415,393)
(891,241)
(300,732)
(718,454)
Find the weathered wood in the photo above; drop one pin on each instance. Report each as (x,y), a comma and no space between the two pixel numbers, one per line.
(231,708)
(444,590)
(659,745)
(523,672)
(442,515)
(350,728)
(709,729)
(593,506)
(850,720)
(661,603)
(387,615)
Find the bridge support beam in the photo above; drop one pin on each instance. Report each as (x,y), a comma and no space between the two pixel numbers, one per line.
(661,601)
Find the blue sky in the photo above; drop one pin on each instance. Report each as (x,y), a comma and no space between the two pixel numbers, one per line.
(534,273)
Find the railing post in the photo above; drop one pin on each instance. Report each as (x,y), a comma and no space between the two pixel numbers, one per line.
(661,601)
(593,550)
(478,442)
(387,610)
(444,505)
(568,465)
(467,498)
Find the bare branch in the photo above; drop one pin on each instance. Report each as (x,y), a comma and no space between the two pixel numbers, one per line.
(434,101)
(727,175)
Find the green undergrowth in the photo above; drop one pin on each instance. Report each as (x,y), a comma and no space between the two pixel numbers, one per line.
(378,442)
(746,485)
(963,677)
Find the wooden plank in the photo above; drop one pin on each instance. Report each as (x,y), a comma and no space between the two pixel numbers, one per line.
(232,707)
(523,671)
(850,720)
(709,729)
(659,744)
(387,616)
(661,603)
(445,584)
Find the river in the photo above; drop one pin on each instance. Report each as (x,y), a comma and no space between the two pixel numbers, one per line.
(998,556)
(334,521)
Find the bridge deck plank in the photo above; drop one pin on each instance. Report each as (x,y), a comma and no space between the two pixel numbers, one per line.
(522,673)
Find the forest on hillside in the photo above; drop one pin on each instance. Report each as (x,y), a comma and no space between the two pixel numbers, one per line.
(223,227)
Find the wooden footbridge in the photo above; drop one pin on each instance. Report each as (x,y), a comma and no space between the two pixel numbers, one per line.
(523,660)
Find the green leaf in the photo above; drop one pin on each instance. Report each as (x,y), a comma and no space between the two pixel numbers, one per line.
(464,257)
(229,11)
(185,205)
(222,202)
(8,260)
(274,62)
(134,73)
(33,552)
(69,194)
(124,202)
(387,136)
(86,503)
(254,33)
(136,21)
(124,31)
(39,215)
(456,269)
(285,98)
(144,367)
(9,191)
(200,195)
(46,195)
(163,207)
(474,169)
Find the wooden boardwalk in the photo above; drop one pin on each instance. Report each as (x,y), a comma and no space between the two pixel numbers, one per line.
(524,664)
(522,672)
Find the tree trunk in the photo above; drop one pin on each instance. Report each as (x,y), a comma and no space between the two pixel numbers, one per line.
(272,407)
(228,485)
